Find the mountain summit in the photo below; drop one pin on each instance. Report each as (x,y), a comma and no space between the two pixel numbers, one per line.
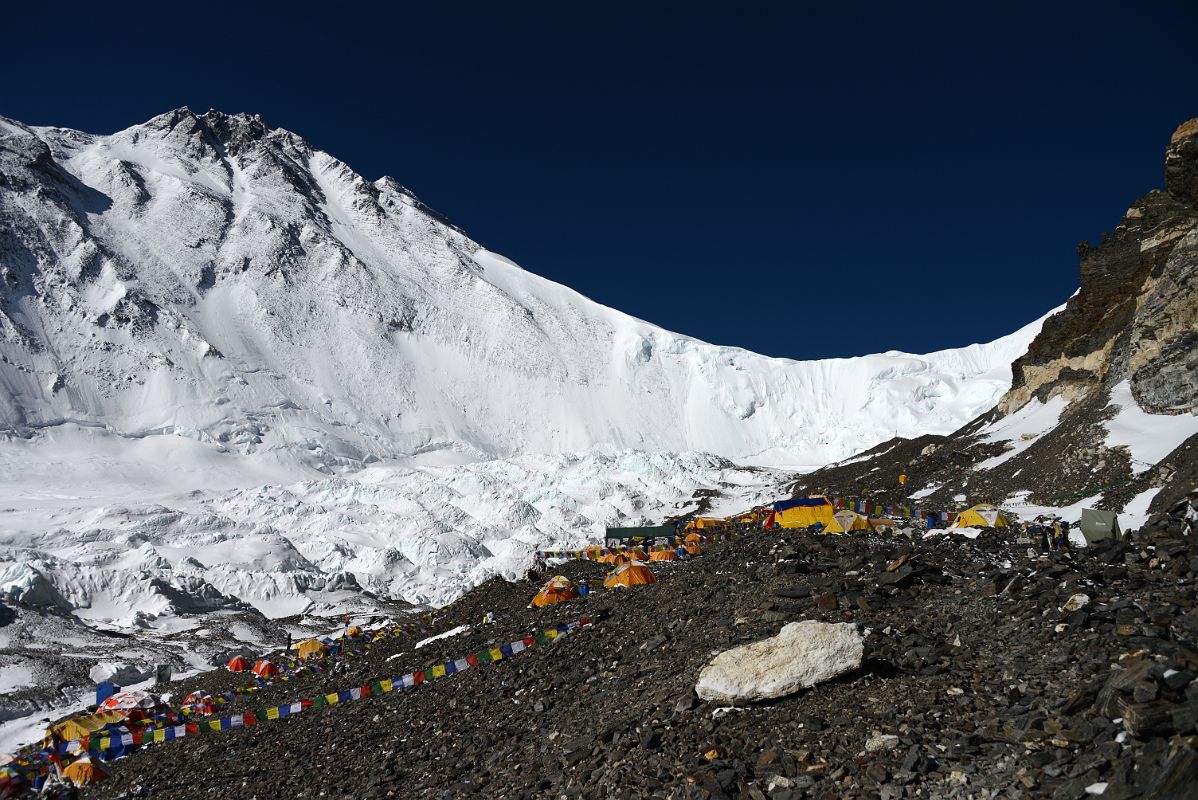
(215,278)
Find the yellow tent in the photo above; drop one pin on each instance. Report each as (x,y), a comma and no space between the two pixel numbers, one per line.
(804,512)
(311,648)
(353,632)
(663,555)
(84,771)
(557,589)
(634,573)
(699,523)
(79,727)
(981,516)
(845,520)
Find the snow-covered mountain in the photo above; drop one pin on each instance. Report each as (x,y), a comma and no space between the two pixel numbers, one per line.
(213,278)
(231,369)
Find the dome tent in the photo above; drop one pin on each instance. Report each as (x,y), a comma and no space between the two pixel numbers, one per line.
(845,520)
(981,516)
(555,590)
(634,573)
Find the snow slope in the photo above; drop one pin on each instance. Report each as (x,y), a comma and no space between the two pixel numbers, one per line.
(216,279)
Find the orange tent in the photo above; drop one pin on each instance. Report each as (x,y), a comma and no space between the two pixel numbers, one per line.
(557,589)
(238,664)
(634,573)
(353,632)
(638,555)
(264,669)
(693,537)
(84,771)
(693,548)
(663,555)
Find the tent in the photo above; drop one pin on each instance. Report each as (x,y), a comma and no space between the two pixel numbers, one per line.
(199,703)
(693,549)
(693,537)
(237,664)
(615,559)
(1099,526)
(663,555)
(132,704)
(354,631)
(555,590)
(883,522)
(634,573)
(84,771)
(699,523)
(803,512)
(638,554)
(311,648)
(80,727)
(265,669)
(980,516)
(845,520)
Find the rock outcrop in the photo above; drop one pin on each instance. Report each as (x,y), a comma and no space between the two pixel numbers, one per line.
(1136,314)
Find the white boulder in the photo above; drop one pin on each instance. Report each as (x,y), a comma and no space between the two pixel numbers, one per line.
(800,656)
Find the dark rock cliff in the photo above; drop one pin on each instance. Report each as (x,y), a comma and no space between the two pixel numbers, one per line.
(1136,313)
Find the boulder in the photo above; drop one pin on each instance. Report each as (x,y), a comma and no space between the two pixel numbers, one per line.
(802,655)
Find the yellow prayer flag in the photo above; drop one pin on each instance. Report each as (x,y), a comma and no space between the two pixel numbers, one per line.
(331,699)
(272,713)
(160,736)
(496,654)
(439,671)
(386,686)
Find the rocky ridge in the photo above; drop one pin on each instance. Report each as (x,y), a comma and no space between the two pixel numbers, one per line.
(989,671)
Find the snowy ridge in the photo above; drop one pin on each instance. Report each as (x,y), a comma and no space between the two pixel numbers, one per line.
(213,278)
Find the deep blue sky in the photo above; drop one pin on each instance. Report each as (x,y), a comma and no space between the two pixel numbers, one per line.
(801,184)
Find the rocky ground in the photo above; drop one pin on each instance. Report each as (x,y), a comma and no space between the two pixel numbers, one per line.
(989,671)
